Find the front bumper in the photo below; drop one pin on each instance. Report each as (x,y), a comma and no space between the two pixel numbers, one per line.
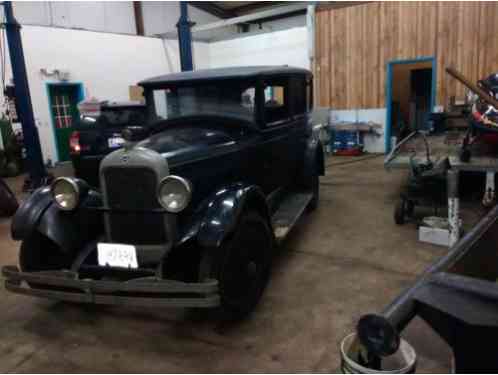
(145,291)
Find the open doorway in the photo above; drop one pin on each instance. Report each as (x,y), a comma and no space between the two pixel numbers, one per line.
(409,96)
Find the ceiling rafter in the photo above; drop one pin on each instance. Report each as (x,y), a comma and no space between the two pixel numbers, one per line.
(213,9)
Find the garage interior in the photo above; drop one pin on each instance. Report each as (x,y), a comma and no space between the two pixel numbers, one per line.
(387,115)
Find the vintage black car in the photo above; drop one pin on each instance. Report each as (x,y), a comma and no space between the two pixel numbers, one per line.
(190,210)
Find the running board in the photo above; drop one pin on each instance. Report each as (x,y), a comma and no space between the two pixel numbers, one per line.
(290,210)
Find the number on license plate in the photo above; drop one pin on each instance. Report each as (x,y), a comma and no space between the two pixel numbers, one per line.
(117,255)
(115,142)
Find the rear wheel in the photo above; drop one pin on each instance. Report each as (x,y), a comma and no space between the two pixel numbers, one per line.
(8,201)
(241,265)
(399,212)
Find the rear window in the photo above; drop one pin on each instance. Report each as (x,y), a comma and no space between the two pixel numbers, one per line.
(115,118)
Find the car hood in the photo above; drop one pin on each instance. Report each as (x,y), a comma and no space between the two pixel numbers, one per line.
(183,144)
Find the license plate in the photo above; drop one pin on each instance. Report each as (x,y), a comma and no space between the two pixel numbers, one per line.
(117,255)
(115,142)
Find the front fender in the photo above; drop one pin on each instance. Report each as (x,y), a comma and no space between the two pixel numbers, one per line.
(70,230)
(27,216)
(218,215)
(313,158)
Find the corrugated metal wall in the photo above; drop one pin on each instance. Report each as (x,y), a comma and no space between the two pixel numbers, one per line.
(354,45)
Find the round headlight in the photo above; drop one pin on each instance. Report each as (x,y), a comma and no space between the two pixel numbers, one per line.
(174,193)
(66,193)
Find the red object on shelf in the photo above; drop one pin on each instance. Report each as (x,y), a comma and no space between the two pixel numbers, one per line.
(349,152)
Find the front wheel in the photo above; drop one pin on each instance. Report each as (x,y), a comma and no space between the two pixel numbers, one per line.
(241,265)
(39,253)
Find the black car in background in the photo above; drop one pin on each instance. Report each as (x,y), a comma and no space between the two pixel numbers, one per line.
(96,135)
(189,212)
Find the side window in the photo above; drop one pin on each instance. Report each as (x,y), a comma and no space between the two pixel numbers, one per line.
(161,104)
(276,107)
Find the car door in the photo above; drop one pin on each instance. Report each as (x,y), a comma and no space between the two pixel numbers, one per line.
(277,133)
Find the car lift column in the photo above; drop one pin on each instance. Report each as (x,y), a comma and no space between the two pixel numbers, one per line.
(185,38)
(36,168)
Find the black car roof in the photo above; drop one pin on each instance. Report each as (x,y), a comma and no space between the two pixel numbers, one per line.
(122,104)
(243,72)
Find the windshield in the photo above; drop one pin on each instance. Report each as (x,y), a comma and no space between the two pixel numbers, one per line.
(225,99)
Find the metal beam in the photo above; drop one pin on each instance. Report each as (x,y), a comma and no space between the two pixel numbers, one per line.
(255,5)
(264,15)
(36,168)
(139,19)
(185,38)
(213,9)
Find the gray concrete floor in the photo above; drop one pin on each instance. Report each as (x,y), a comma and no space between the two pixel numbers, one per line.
(346,259)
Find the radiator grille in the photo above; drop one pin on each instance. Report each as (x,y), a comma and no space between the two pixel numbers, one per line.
(133,190)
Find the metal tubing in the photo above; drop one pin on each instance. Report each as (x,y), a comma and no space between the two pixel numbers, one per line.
(453,207)
(185,38)
(36,167)
(402,309)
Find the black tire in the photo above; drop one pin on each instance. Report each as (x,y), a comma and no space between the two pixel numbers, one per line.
(314,186)
(241,265)
(8,201)
(409,208)
(39,253)
(464,155)
(399,212)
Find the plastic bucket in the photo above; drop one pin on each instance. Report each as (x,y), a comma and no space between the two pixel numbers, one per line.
(402,362)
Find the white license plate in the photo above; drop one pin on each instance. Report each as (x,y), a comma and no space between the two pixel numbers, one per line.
(115,142)
(117,255)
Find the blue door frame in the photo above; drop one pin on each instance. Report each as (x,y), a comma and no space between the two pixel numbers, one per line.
(389,87)
(81,96)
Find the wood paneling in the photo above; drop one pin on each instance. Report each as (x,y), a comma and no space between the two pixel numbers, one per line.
(354,45)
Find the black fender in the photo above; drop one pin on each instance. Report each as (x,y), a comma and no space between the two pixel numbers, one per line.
(70,230)
(27,216)
(218,215)
(314,159)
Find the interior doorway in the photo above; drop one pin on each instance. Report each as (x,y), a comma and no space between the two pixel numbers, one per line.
(63,101)
(410,96)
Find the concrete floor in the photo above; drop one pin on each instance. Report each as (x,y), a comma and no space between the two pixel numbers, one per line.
(346,259)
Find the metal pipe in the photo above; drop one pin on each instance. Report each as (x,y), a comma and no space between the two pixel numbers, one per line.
(372,327)
(185,38)
(453,207)
(36,168)
(402,310)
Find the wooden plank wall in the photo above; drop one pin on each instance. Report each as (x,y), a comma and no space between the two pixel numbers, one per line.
(354,45)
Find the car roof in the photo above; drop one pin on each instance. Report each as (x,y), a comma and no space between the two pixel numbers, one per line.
(242,72)
(122,104)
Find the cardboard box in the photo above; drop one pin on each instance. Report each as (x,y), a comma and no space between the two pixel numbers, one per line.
(436,236)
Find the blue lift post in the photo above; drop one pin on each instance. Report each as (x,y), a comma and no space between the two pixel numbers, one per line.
(36,168)
(185,38)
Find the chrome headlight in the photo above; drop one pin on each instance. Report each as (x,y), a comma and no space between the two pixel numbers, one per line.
(174,193)
(66,193)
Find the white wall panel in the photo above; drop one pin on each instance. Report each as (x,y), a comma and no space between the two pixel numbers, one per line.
(285,47)
(115,17)
(160,17)
(32,12)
